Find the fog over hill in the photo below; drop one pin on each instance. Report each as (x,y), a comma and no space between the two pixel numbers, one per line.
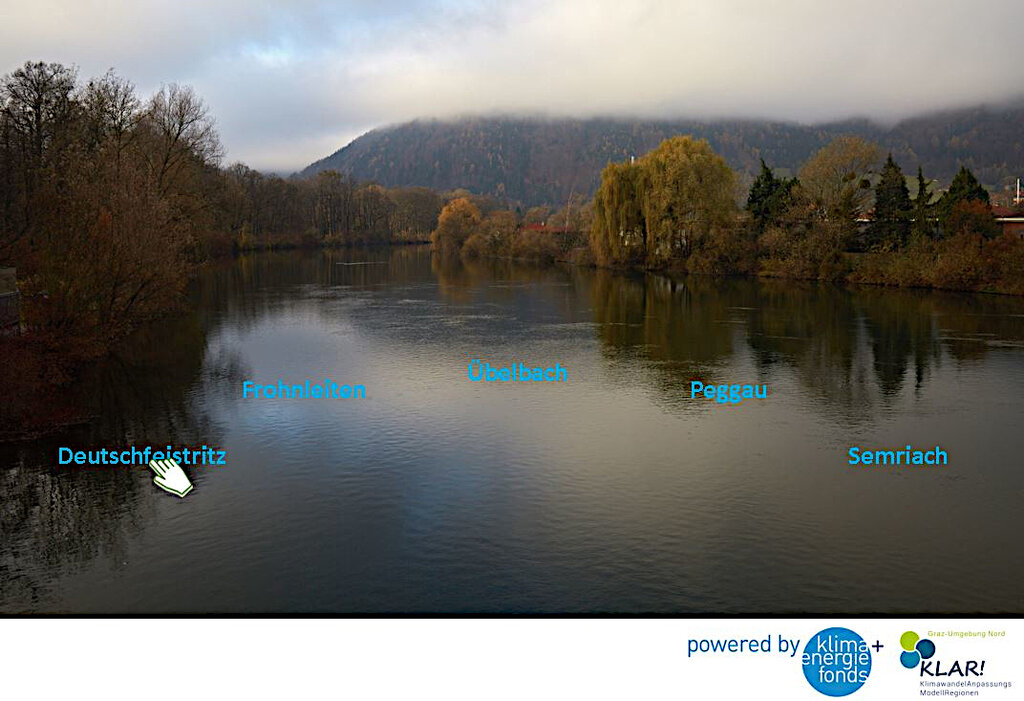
(541,161)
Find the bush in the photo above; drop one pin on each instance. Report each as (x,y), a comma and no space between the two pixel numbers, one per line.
(813,252)
(1004,264)
(583,256)
(726,252)
(959,264)
(535,245)
(972,217)
(476,246)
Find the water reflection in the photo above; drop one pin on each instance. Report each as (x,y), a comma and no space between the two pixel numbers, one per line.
(850,348)
(615,492)
(57,519)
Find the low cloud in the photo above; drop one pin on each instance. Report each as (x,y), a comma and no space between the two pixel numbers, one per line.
(290,82)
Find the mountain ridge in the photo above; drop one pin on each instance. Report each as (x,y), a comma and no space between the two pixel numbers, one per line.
(531,160)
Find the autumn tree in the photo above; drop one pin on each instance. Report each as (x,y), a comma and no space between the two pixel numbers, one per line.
(498,229)
(661,209)
(372,215)
(973,218)
(688,198)
(619,232)
(537,215)
(457,222)
(836,181)
(415,212)
(964,188)
(104,248)
(570,216)
(333,211)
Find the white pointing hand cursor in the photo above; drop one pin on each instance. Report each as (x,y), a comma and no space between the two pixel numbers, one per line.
(170,477)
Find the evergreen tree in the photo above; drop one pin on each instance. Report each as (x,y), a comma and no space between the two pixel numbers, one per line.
(891,226)
(769,198)
(923,225)
(964,188)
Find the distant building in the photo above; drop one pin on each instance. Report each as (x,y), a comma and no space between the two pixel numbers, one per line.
(1010,220)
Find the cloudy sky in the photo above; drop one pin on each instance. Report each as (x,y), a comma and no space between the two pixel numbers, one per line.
(292,81)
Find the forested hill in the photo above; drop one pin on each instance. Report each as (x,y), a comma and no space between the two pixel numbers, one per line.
(540,161)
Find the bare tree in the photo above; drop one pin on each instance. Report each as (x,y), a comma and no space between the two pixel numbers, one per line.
(36,109)
(184,131)
(112,112)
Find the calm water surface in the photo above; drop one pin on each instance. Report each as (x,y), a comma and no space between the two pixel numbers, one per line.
(613,492)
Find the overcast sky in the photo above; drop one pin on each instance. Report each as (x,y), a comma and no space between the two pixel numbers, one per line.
(292,81)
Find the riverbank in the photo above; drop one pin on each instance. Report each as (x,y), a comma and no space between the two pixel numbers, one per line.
(40,366)
(963,263)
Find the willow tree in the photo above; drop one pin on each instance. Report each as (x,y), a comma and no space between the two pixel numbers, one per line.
(689,199)
(662,208)
(618,234)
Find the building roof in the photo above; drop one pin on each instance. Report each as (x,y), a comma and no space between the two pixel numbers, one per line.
(1000,211)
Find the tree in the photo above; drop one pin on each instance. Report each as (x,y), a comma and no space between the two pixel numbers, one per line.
(37,115)
(837,181)
(769,198)
(373,211)
(661,209)
(498,230)
(923,226)
(415,212)
(964,188)
(619,231)
(333,214)
(458,221)
(972,217)
(112,112)
(689,196)
(537,215)
(891,225)
(184,133)
(38,105)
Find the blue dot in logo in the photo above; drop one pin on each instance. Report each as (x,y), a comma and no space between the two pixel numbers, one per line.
(926,648)
(910,659)
(837,661)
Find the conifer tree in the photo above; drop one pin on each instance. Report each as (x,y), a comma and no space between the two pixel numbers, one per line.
(891,225)
(923,225)
(769,198)
(964,188)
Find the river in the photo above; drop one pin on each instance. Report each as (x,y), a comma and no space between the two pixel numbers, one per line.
(613,491)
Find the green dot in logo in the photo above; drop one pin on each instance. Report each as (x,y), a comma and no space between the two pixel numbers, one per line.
(908,640)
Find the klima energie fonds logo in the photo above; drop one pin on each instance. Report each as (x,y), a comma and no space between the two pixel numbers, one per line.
(836,661)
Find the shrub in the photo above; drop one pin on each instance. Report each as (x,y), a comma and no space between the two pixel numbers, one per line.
(959,264)
(476,246)
(535,245)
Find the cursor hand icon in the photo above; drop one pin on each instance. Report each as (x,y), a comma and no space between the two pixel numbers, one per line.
(170,477)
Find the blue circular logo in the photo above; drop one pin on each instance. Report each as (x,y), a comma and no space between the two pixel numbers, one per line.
(836,661)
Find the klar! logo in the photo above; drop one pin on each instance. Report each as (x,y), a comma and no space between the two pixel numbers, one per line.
(917,650)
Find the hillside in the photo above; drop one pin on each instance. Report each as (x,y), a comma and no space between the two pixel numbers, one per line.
(535,161)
